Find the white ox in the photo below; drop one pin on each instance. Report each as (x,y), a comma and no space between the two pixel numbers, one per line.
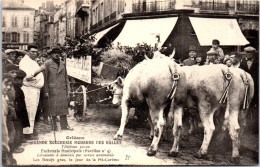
(148,84)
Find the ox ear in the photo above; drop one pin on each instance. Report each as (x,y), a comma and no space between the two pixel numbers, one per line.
(120,81)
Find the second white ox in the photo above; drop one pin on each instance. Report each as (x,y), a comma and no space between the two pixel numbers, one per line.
(147,86)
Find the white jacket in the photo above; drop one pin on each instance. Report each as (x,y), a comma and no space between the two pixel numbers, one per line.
(29,66)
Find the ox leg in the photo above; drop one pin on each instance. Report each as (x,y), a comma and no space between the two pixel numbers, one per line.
(234,135)
(207,121)
(151,126)
(226,118)
(124,119)
(158,122)
(176,130)
(192,125)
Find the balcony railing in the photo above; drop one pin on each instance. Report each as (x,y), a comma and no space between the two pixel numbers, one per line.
(213,6)
(248,8)
(106,20)
(153,6)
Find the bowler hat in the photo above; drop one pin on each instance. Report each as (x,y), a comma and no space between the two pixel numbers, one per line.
(192,48)
(249,49)
(55,50)
(8,51)
(20,74)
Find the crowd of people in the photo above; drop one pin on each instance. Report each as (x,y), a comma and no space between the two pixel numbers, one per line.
(31,84)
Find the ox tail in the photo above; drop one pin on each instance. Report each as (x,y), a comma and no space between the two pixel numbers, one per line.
(251,87)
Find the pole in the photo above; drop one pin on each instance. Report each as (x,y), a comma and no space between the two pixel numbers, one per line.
(51,118)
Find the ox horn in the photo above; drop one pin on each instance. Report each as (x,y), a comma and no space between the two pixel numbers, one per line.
(173,53)
(146,57)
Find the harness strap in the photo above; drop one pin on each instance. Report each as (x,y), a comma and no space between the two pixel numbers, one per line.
(228,77)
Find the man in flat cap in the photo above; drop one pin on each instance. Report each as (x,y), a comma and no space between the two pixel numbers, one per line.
(192,56)
(31,88)
(56,88)
(250,64)
(211,58)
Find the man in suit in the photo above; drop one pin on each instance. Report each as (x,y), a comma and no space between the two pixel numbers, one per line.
(192,56)
(56,88)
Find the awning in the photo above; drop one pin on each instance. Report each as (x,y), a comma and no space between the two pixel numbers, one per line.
(146,30)
(102,33)
(227,31)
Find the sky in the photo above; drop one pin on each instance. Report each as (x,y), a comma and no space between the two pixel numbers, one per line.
(37,3)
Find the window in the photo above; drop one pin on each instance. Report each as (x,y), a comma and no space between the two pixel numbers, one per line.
(15,37)
(14,21)
(3,24)
(97,13)
(25,37)
(69,28)
(3,36)
(121,6)
(93,17)
(26,21)
(8,37)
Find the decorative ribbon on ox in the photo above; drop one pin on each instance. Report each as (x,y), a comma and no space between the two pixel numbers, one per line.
(175,78)
(224,96)
(245,103)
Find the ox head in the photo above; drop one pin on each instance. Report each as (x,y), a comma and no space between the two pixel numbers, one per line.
(116,88)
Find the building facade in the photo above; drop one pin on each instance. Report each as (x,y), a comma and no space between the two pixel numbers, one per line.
(107,13)
(17,25)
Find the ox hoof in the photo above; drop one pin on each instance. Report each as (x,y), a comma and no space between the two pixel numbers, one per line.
(151,152)
(235,160)
(201,156)
(118,137)
(173,154)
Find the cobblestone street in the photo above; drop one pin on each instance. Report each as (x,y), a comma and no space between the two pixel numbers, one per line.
(102,123)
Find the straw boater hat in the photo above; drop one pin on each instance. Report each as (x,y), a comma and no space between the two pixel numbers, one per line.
(8,51)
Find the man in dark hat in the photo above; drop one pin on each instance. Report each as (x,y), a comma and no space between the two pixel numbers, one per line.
(56,88)
(22,120)
(192,56)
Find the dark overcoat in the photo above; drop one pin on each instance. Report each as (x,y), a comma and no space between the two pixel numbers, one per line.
(20,107)
(56,85)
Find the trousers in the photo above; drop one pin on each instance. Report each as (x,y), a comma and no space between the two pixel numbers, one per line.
(32,96)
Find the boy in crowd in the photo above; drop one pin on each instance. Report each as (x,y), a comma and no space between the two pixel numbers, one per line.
(218,50)
(7,157)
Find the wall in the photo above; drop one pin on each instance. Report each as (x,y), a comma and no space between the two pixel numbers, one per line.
(8,14)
